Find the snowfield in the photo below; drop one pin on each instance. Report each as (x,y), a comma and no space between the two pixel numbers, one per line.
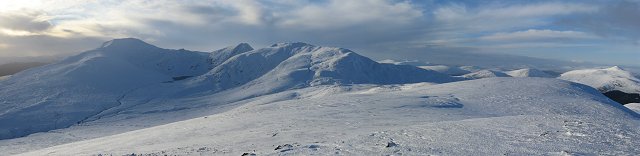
(130,97)
(491,116)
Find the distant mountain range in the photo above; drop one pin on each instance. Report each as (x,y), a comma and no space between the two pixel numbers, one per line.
(128,97)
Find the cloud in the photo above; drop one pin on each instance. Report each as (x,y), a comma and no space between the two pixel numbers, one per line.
(500,17)
(204,25)
(615,19)
(341,13)
(376,28)
(23,23)
(537,35)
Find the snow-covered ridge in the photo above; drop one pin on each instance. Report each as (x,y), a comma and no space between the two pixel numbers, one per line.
(295,65)
(605,79)
(124,73)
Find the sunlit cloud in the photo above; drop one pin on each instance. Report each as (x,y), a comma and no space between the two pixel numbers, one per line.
(534,34)
(372,27)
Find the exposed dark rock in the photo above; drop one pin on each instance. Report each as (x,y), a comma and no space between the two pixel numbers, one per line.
(181,78)
(622,97)
(391,144)
(248,154)
(285,146)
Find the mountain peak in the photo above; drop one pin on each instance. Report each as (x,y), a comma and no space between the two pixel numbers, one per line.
(219,56)
(243,47)
(614,68)
(126,43)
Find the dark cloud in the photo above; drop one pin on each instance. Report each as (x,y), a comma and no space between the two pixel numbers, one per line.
(613,19)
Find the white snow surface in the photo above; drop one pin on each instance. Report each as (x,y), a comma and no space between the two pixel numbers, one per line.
(492,116)
(607,79)
(487,73)
(633,106)
(528,72)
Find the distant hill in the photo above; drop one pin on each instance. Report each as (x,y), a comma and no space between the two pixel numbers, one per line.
(12,68)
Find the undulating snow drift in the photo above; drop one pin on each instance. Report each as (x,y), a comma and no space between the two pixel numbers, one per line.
(296,99)
(485,74)
(607,79)
(98,82)
(493,116)
(528,72)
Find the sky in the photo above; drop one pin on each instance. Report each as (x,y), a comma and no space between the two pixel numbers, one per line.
(600,31)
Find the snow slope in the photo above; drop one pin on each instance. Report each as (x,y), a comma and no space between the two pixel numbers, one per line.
(499,116)
(633,106)
(67,92)
(129,76)
(485,74)
(607,79)
(528,72)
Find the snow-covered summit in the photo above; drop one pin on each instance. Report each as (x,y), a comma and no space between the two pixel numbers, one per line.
(605,79)
(69,91)
(219,56)
(528,72)
(128,43)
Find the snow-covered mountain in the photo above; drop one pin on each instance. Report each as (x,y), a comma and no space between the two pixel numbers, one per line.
(454,71)
(485,74)
(130,97)
(296,65)
(101,81)
(605,79)
(528,72)
(67,92)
